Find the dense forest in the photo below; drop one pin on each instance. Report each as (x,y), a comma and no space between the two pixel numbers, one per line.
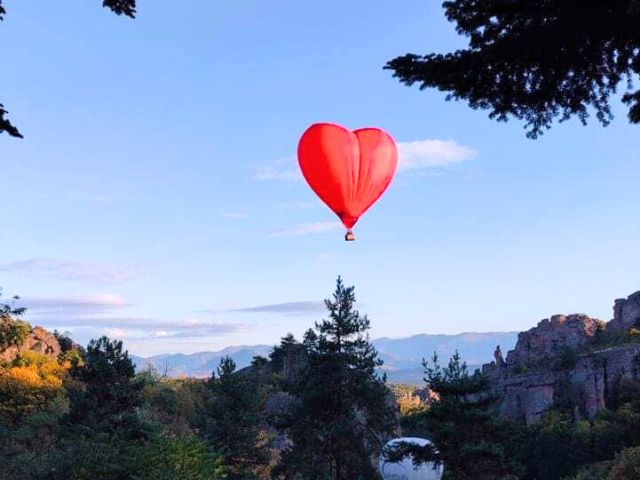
(315,409)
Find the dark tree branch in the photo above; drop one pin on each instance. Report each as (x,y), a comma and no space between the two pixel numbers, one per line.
(121,7)
(6,126)
(536,60)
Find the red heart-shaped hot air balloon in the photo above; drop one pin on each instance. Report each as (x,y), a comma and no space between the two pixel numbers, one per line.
(348,170)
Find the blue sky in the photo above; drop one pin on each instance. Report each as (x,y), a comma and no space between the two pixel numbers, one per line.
(156,196)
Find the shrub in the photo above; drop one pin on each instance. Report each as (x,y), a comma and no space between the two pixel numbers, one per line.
(594,471)
(626,465)
(13,332)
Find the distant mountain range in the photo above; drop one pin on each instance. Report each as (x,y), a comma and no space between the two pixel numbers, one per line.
(402,356)
(199,364)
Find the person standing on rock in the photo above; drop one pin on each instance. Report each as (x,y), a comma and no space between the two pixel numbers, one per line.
(498,357)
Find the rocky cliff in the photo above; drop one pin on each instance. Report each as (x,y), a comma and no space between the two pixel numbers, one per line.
(575,361)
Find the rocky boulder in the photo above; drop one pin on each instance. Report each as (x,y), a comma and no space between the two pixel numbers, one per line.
(626,313)
(38,340)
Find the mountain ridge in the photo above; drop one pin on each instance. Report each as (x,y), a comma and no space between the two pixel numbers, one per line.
(402,356)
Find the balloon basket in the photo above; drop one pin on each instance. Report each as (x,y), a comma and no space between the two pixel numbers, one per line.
(349,236)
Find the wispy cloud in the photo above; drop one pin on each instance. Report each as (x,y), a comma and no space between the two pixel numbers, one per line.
(71,270)
(73,305)
(235,215)
(298,205)
(306,229)
(160,328)
(288,308)
(284,170)
(432,153)
(100,314)
(411,155)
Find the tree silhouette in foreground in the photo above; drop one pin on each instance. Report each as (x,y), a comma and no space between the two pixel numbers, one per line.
(119,7)
(536,60)
(341,414)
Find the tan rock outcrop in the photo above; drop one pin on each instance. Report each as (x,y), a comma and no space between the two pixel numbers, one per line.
(39,340)
(563,359)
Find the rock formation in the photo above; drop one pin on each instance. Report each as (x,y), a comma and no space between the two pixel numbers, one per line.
(38,340)
(575,359)
(626,313)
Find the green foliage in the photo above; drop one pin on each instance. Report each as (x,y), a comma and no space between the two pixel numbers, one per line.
(185,458)
(567,359)
(536,60)
(288,359)
(626,465)
(89,416)
(594,471)
(606,338)
(103,435)
(108,396)
(13,331)
(470,439)
(553,448)
(231,422)
(558,447)
(341,410)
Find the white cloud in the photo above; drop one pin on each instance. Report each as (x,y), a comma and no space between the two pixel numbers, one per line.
(73,305)
(299,205)
(288,308)
(70,270)
(89,316)
(411,155)
(138,327)
(284,170)
(271,172)
(235,215)
(432,153)
(306,229)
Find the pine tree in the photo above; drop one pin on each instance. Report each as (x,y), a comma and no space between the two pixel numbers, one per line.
(103,435)
(469,437)
(109,396)
(232,422)
(341,413)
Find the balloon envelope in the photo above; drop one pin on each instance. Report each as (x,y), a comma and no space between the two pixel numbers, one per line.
(348,170)
(406,470)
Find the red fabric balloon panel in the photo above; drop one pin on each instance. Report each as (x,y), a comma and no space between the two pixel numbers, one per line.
(348,170)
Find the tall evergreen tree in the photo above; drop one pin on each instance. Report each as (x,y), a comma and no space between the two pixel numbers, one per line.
(232,422)
(109,395)
(342,413)
(103,434)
